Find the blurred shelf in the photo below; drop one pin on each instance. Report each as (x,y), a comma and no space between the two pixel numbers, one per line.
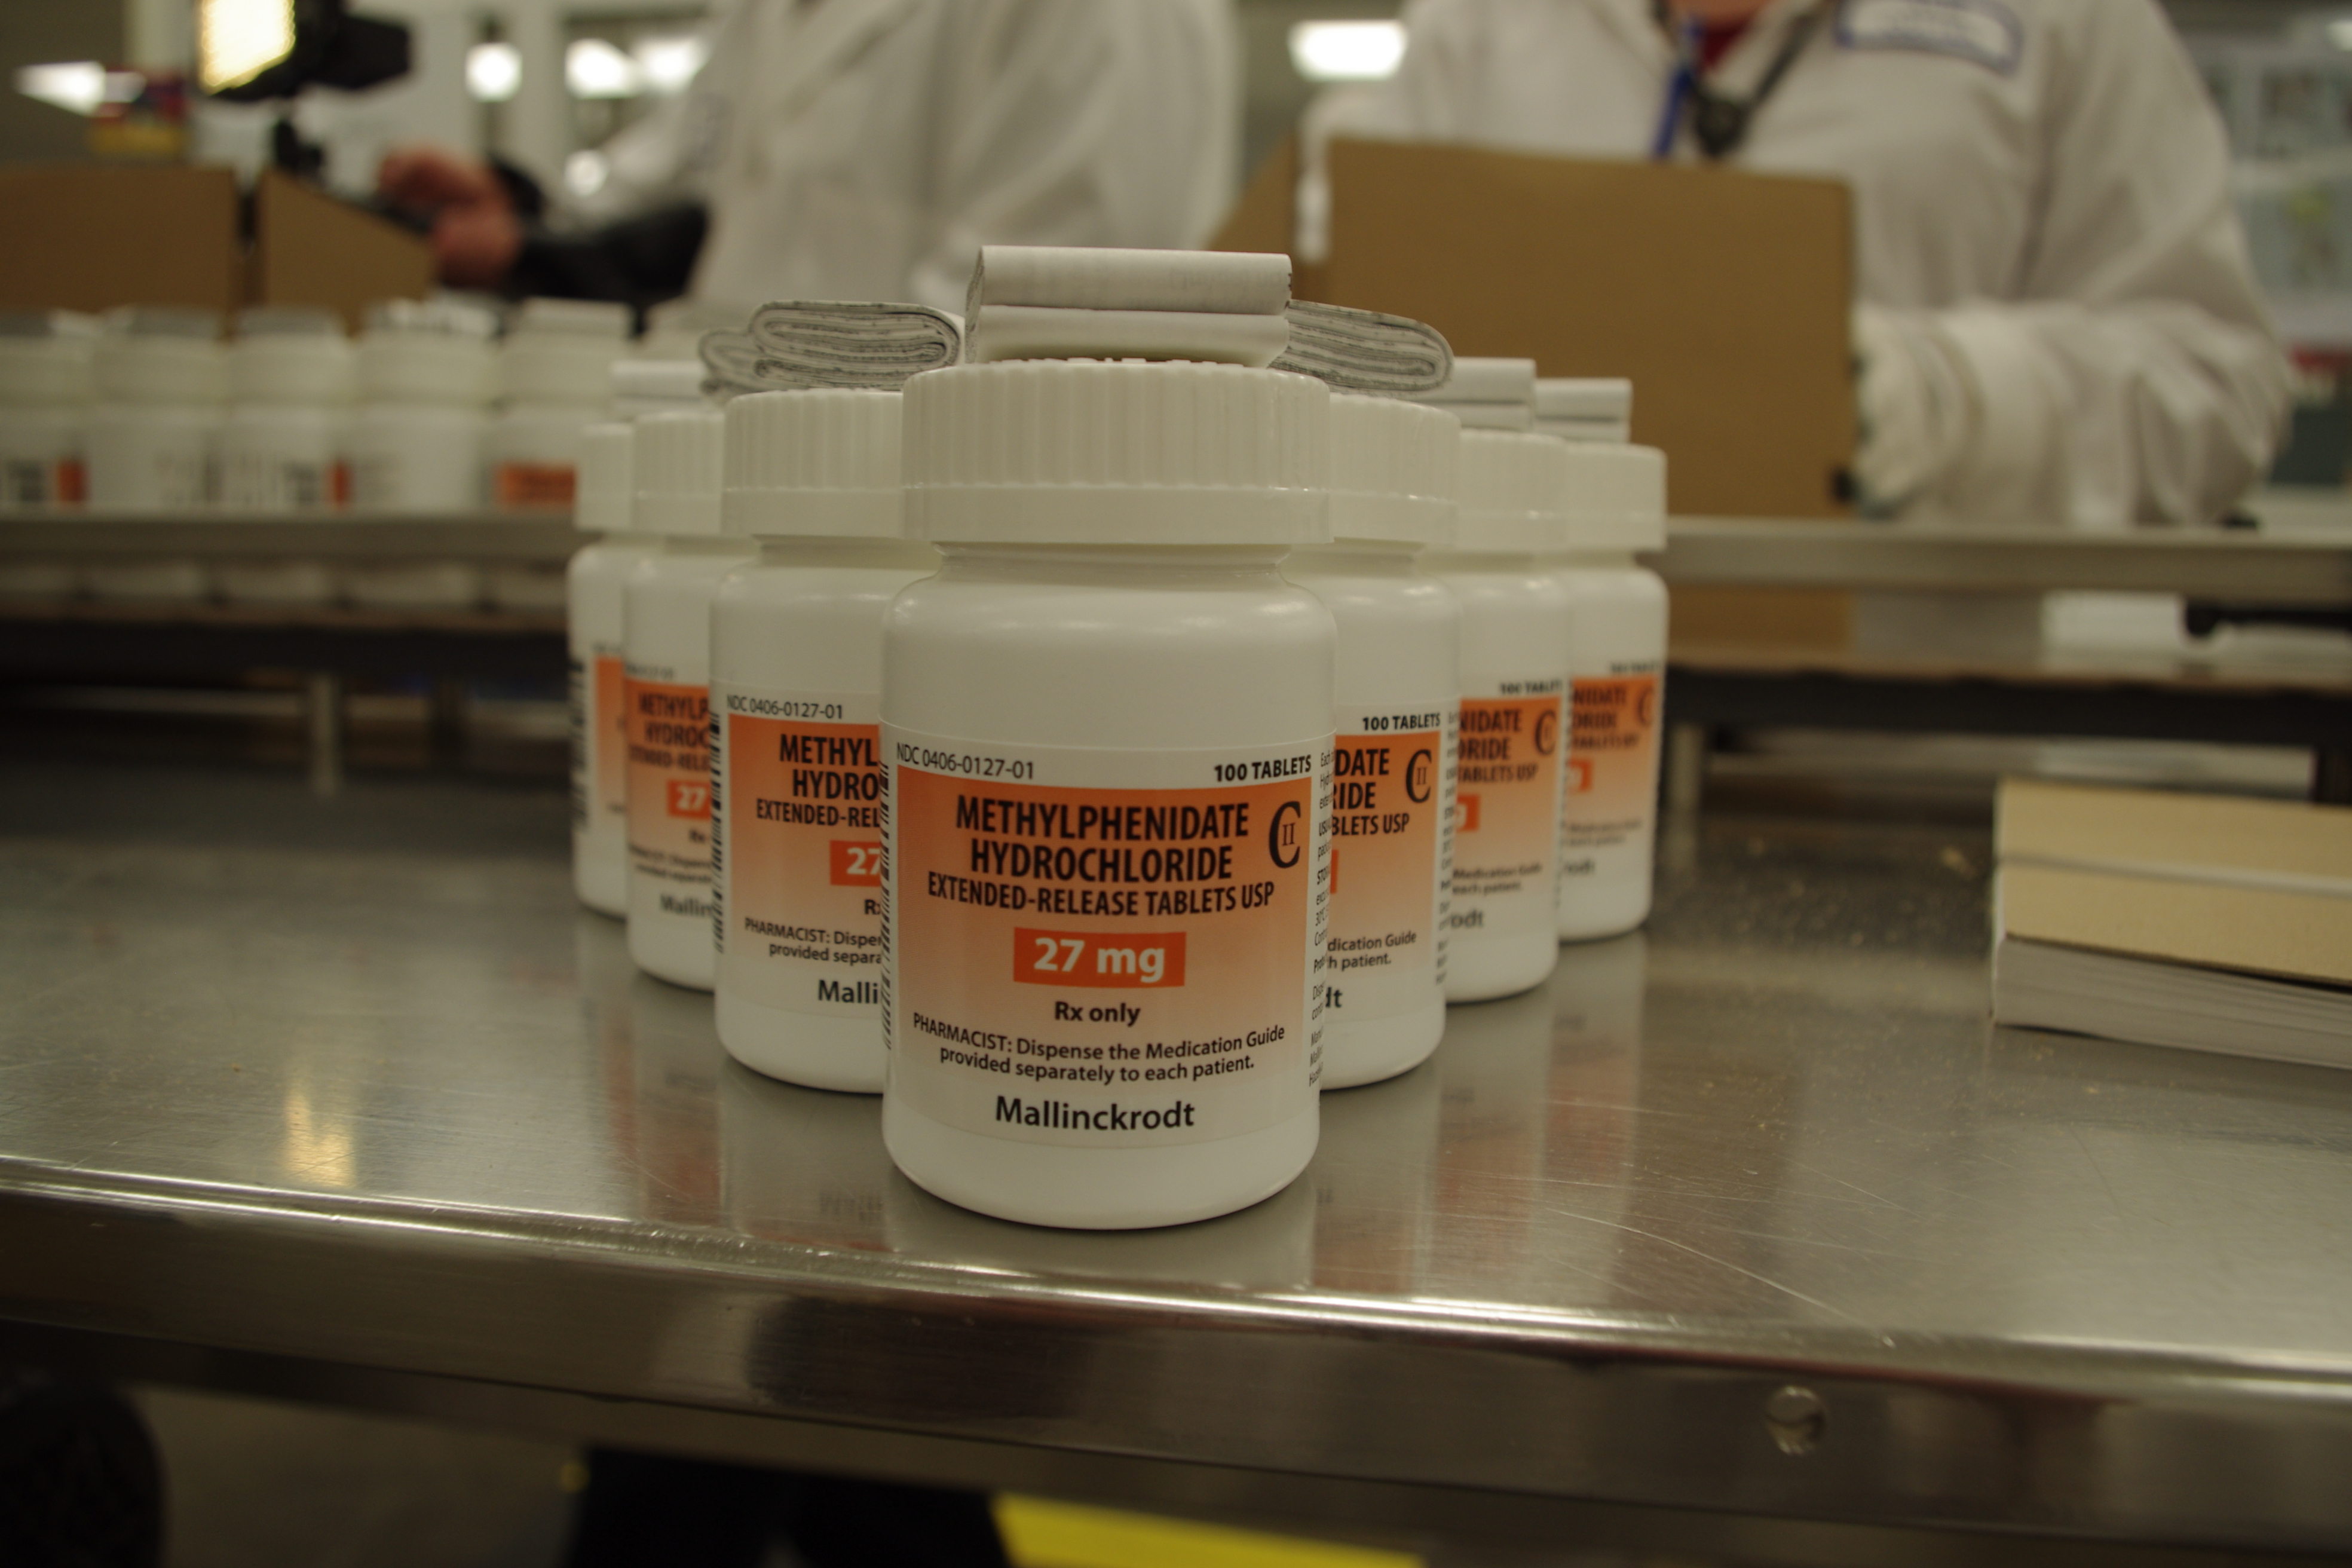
(502,537)
(2309,565)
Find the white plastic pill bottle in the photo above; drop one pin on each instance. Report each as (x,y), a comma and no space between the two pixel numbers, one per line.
(555,372)
(795,729)
(1392,483)
(46,388)
(665,693)
(291,377)
(1108,723)
(1617,671)
(154,437)
(155,440)
(593,585)
(425,379)
(45,397)
(1502,926)
(291,380)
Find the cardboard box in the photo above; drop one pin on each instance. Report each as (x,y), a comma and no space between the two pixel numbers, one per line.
(310,249)
(88,237)
(1724,295)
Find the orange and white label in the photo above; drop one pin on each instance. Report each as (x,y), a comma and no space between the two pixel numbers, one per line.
(798,849)
(1507,824)
(1105,948)
(1392,828)
(533,484)
(1609,809)
(600,741)
(670,792)
(37,480)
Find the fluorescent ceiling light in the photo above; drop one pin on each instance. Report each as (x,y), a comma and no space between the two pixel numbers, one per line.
(668,64)
(77,86)
(1346,51)
(2339,32)
(586,172)
(237,40)
(493,71)
(594,69)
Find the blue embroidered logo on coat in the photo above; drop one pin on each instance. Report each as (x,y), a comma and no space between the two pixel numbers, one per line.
(1984,31)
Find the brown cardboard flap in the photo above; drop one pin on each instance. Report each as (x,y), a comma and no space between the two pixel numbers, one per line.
(310,249)
(1724,295)
(1261,219)
(82,237)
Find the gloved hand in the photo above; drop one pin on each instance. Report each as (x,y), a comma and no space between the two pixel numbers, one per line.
(476,233)
(1919,405)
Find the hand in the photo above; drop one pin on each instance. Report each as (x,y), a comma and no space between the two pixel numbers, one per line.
(1916,403)
(476,234)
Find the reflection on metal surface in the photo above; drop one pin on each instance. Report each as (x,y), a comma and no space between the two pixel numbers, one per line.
(317,1150)
(362,1084)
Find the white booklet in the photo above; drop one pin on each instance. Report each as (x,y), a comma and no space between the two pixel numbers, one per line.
(2198,965)
(2211,923)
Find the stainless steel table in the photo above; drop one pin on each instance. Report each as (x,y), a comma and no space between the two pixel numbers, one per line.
(1750,1237)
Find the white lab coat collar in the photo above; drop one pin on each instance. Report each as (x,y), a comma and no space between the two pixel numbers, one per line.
(1743,65)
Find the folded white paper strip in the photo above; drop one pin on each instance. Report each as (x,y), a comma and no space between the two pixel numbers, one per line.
(1488,381)
(1364,351)
(1209,282)
(1584,398)
(836,343)
(1040,331)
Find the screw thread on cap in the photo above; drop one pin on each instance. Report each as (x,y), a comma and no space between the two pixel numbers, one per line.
(820,462)
(1395,466)
(1615,497)
(1514,487)
(678,461)
(1084,451)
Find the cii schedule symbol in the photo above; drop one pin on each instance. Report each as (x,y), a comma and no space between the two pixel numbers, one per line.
(689,798)
(1097,958)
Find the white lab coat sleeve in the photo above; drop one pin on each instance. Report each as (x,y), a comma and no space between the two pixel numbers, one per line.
(1076,123)
(2134,376)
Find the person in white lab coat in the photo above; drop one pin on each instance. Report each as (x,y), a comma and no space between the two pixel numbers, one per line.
(865,149)
(2057,319)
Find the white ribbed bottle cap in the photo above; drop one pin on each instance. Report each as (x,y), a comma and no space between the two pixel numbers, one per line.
(1616,498)
(161,369)
(1392,470)
(47,372)
(603,497)
(290,355)
(1095,452)
(161,353)
(401,365)
(1513,487)
(556,367)
(814,463)
(1478,380)
(641,386)
(678,464)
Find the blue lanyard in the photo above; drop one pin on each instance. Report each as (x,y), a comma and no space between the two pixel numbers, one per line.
(1678,91)
(1721,122)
